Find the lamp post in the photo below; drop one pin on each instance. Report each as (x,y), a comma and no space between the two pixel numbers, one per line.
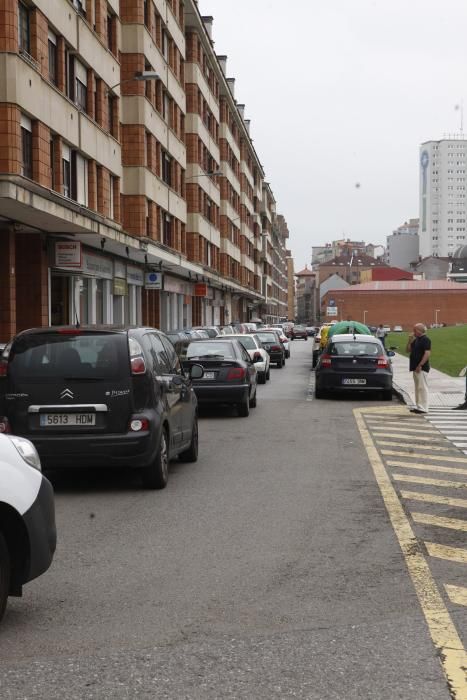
(144,75)
(436,316)
(207,173)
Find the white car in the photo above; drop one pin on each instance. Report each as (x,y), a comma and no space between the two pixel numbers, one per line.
(397,329)
(27,517)
(252,345)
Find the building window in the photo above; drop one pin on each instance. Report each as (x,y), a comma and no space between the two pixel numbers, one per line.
(165,106)
(167,229)
(24,34)
(111,196)
(166,168)
(79,178)
(26,147)
(165,45)
(81,82)
(110,31)
(66,155)
(80,5)
(52,44)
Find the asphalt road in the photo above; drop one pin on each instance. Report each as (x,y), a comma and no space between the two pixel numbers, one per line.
(269,569)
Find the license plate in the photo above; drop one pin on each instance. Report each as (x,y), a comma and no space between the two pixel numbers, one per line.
(209,375)
(354,381)
(57,419)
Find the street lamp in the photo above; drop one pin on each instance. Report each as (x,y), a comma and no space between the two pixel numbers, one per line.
(144,75)
(208,173)
(436,316)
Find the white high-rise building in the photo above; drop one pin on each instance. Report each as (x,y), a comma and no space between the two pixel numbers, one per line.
(443,203)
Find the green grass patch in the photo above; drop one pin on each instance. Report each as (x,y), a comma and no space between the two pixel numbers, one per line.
(448,347)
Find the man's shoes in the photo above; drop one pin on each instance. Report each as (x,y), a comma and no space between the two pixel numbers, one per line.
(461,407)
(418,410)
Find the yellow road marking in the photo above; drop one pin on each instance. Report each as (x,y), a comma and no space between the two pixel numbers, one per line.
(427,467)
(412,431)
(392,443)
(457,594)
(399,436)
(443,632)
(441,551)
(417,455)
(434,498)
(430,482)
(440,521)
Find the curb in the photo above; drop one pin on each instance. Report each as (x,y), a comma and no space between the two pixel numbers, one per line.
(401,394)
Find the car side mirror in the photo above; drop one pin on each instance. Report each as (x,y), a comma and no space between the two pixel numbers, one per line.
(196,372)
(257,357)
(390,353)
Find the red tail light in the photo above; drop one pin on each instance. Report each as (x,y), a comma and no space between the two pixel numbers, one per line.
(138,365)
(326,361)
(5,426)
(382,361)
(236,373)
(276,348)
(3,368)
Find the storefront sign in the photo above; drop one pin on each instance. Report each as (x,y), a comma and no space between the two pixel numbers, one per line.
(201,289)
(177,286)
(153,280)
(119,269)
(98,266)
(331,311)
(120,287)
(134,275)
(67,254)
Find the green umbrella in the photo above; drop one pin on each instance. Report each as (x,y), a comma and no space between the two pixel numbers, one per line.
(349,327)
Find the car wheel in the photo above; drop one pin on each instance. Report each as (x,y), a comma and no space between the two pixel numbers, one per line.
(319,393)
(156,475)
(280,363)
(4,575)
(387,395)
(315,359)
(191,454)
(253,401)
(268,374)
(262,378)
(288,354)
(244,407)
(305,339)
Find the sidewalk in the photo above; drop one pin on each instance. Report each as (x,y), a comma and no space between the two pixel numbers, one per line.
(444,391)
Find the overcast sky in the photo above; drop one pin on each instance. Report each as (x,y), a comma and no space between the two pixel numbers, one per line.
(341,93)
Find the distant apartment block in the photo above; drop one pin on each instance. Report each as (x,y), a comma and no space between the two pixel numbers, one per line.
(402,246)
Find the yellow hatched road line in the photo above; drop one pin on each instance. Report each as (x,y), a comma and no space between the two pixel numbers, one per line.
(457,594)
(441,551)
(412,479)
(399,436)
(427,467)
(440,521)
(434,498)
(416,455)
(407,446)
(413,431)
(452,654)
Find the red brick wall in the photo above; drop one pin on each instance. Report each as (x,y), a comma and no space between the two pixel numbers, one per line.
(39,41)
(7,286)
(10,141)
(133,144)
(32,306)
(402,308)
(103,191)
(134,214)
(132,11)
(9,25)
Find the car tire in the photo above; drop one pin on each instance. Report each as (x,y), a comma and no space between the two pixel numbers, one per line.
(244,407)
(253,401)
(156,474)
(319,393)
(262,378)
(268,374)
(5,571)
(279,364)
(191,454)
(387,395)
(315,359)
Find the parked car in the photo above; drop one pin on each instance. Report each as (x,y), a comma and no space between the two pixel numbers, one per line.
(285,341)
(179,340)
(299,332)
(27,517)
(387,329)
(272,344)
(227,330)
(229,374)
(253,346)
(354,362)
(100,397)
(311,331)
(208,331)
(397,329)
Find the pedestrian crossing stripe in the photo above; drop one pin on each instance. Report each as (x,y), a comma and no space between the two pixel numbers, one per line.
(382,433)
(392,443)
(439,521)
(427,467)
(456,594)
(434,498)
(441,551)
(415,455)
(428,481)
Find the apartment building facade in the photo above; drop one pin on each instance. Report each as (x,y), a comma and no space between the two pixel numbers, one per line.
(130,191)
(443,200)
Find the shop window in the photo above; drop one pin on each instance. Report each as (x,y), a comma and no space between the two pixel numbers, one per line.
(52,48)
(99,301)
(24,29)
(26,147)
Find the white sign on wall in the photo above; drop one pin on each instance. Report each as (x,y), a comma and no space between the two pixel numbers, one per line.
(331,311)
(67,254)
(153,280)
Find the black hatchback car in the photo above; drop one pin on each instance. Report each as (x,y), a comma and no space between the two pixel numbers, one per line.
(272,344)
(354,362)
(229,373)
(100,397)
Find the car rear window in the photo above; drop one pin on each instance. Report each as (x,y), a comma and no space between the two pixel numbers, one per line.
(46,356)
(267,337)
(248,343)
(355,348)
(215,348)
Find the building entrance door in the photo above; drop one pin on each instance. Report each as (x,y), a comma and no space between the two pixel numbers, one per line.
(59,300)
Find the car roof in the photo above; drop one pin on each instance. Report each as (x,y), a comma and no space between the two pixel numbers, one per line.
(360,337)
(51,330)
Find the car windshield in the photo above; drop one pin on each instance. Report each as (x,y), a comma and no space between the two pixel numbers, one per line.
(89,356)
(355,348)
(215,349)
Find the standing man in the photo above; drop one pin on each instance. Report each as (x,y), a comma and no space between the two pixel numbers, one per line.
(419,347)
(381,334)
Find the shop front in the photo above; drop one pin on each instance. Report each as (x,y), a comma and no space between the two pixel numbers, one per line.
(176,304)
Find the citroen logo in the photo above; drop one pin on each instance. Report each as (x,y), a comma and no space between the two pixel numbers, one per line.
(66,394)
